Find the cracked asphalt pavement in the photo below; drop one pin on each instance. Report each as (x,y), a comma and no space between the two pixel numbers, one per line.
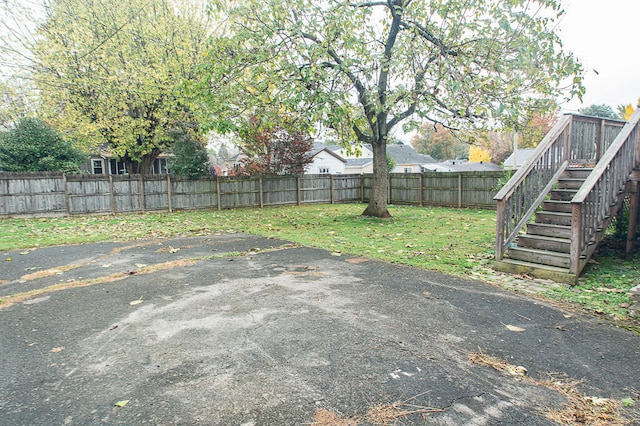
(236,329)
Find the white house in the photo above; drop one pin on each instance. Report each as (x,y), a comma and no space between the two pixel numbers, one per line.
(325,161)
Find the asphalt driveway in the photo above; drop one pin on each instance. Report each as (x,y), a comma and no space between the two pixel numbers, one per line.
(241,330)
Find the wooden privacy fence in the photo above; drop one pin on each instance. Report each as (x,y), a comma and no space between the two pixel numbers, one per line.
(44,194)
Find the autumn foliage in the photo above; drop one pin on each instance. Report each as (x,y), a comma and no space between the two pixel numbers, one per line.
(274,148)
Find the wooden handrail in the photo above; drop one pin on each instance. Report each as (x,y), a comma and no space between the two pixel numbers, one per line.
(606,159)
(544,145)
(601,192)
(530,184)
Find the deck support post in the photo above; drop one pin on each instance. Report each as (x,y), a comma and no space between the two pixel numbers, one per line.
(634,204)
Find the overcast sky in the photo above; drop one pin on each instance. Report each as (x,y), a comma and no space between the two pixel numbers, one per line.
(602,34)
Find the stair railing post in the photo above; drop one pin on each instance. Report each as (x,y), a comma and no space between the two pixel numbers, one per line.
(576,238)
(500,230)
(566,142)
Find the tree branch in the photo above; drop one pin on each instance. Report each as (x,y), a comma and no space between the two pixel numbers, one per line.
(429,36)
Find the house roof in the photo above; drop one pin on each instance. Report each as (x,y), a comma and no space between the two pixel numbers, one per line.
(522,155)
(318,147)
(459,166)
(354,162)
(405,154)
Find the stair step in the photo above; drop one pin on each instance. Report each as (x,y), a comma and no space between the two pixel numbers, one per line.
(513,266)
(554,218)
(570,183)
(549,230)
(551,258)
(577,172)
(539,242)
(562,194)
(557,206)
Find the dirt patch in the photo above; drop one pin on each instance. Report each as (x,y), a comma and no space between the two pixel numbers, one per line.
(21,297)
(329,418)
(52,271)
(132,246)
(357,260)
(382,414)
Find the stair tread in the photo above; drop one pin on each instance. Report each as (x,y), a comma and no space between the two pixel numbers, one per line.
(534,265)
(541,252)
(551,225)
(545,238)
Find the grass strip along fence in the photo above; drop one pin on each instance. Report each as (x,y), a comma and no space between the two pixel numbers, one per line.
(56,194)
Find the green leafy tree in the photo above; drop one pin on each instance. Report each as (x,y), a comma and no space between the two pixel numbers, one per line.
(364,67)
(391,163)
(112,71)
(190,159)
(601,110)
(32,146)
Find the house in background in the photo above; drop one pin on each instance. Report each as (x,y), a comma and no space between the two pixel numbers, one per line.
(515,161)
(359,166)
(360,160)
(325,161)
(103,163)
(407,159)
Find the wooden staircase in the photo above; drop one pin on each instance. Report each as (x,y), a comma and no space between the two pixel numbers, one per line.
(554,211)
(544,250)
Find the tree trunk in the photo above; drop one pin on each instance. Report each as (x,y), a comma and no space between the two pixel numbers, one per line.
(144,166)
(378,200)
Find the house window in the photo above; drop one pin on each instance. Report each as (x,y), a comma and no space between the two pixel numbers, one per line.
(160,166)
(408,169)
(324,170)
(97,167)
(117,167)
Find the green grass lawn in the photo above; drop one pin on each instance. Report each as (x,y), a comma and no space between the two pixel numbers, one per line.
(453,241)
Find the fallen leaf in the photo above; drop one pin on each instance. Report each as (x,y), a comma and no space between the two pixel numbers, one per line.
(140,265)
(8,259)
(107,265)
(516,370)
(121,403)
(598,401)
(24,252)
(567,316)
(136,302)
(514,328)
(58,349)
(113,327)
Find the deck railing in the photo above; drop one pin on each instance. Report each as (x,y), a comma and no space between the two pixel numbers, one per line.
(573,138)
(603,189)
